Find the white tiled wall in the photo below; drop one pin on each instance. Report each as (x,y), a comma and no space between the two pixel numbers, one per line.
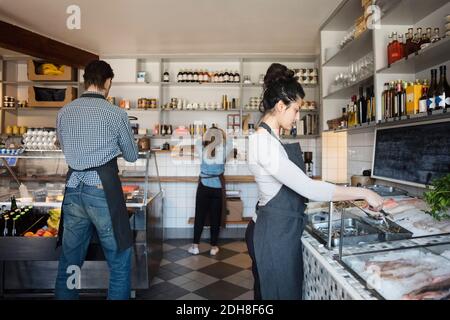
(360,152)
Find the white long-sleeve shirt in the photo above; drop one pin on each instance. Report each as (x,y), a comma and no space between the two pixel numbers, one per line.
(270,164)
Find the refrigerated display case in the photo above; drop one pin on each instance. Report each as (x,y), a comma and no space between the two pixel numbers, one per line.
(412,269)
(28,262)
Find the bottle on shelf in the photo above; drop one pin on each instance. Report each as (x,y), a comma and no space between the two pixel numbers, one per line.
(6,223)
(442,90)
(216,77)
(401,46)
(185,76)
(409,45)
(436,36)
(356,111)
(190,76)
(201,76)
(237,77)
(13,203)
(389,48)
(166,77)
(426,39)
(423,99)
(395,50)
(221,77)
(431,97)
(417,39)
(344,122)
(370,97)
(362,107)
(413,94)
(195,76)
(226,76)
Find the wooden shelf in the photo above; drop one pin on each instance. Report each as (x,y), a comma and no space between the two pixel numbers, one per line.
(245,220)
(136,84)
(168,179)
(433,55)
(176,110)
(353,51)
(201,85)
(347,92)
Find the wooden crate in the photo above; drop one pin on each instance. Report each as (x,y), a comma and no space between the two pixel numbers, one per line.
(68,75)
(71,94)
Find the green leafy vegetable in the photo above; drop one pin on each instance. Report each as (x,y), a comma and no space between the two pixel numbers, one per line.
(439,198)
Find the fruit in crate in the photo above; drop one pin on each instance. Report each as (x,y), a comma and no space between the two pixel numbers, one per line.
(53,220)
(50,69)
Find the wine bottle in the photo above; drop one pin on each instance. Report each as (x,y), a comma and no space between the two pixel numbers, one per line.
(431,97)
(442,94)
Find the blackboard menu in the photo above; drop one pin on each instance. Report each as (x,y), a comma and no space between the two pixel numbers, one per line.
(416,154)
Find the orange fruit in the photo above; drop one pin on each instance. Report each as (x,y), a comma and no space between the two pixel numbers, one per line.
(29,234)
(47,234)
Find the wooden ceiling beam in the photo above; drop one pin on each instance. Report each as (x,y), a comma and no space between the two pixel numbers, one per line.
(21,40)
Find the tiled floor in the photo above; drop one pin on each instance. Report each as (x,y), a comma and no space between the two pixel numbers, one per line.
(182,276)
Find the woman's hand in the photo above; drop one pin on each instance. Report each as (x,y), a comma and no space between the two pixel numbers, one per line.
(374,200)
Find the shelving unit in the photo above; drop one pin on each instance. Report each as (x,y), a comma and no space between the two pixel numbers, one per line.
(425,59)
(396,16)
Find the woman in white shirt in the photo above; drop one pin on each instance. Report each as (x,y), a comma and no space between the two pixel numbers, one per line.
(283,188)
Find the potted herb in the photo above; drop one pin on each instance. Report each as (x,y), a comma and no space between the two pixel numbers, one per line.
(439,198)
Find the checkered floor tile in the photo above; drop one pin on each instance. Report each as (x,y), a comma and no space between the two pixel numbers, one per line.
(183,276)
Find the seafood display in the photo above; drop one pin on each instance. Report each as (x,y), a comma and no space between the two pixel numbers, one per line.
(438,289)
(415,273)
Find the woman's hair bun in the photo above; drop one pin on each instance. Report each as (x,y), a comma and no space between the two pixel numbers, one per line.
(278,73)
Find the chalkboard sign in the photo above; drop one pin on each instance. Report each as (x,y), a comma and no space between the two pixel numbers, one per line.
(414,154)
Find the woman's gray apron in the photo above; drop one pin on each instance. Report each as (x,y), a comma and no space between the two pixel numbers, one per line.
(277,237)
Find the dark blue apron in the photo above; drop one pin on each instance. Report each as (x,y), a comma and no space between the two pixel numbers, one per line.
(277,238)
(112,186)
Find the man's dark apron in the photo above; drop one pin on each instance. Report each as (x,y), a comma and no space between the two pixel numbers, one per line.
(109,176)
(223,216)
(277,238)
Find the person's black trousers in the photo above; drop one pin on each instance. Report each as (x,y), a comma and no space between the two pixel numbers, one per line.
(208,203)
(251,252)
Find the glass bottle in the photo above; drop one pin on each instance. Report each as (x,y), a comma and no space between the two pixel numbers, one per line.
(431,97)
(426,39)
(436,37)
(442,90)
(409,45)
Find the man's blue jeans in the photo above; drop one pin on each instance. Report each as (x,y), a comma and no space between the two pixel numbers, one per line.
(85,208)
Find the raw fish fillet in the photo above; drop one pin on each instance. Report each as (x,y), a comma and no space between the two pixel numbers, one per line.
(438,288)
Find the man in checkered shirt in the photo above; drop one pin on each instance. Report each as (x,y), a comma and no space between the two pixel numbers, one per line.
(93,133)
